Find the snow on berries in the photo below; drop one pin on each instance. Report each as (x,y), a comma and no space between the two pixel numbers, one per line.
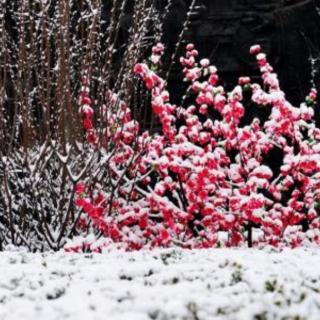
(203,177)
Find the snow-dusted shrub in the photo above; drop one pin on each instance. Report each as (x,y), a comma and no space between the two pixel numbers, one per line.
(37,194)
(206,180)
(122,149)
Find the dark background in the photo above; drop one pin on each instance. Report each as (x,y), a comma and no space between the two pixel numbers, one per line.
(224,30)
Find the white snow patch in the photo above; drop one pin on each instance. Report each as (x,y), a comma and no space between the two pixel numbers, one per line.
(161,284)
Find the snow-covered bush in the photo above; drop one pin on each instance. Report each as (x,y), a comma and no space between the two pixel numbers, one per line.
(37,196)
(206,180)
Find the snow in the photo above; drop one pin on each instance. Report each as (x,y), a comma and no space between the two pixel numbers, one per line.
(161,284)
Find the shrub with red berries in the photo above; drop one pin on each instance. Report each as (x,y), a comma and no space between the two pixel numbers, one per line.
(205,181)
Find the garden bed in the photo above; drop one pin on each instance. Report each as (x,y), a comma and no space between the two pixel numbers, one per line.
(161,284)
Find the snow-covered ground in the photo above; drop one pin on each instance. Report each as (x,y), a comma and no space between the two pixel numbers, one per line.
(162,284)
